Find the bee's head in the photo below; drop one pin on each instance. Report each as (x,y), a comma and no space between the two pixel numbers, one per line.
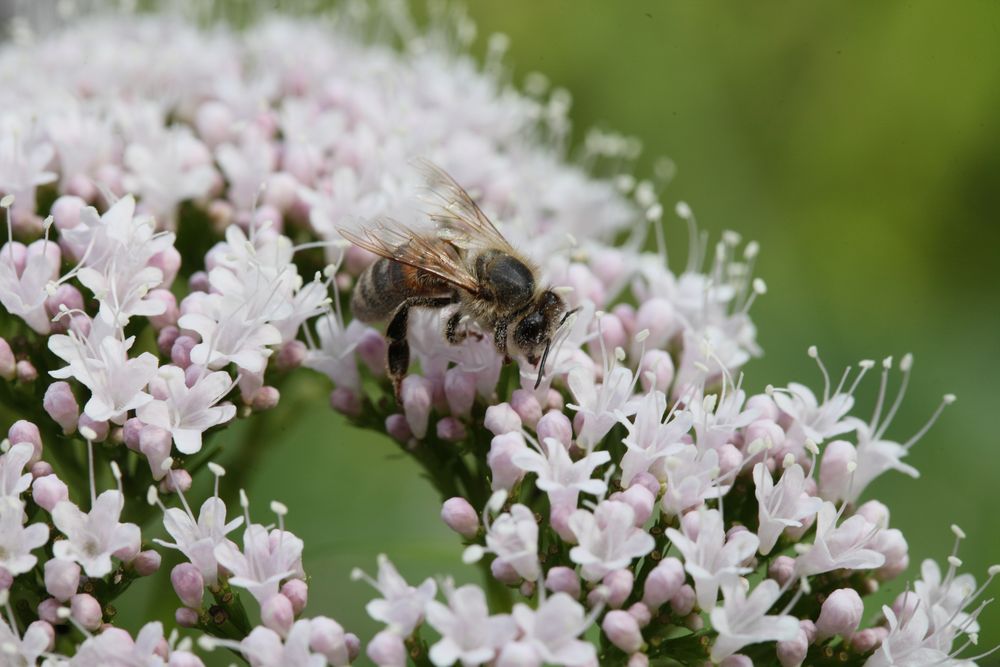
(533,333)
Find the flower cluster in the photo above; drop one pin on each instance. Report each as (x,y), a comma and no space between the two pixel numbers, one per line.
(172,257)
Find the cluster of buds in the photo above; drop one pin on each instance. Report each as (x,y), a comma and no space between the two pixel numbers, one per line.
(172,258)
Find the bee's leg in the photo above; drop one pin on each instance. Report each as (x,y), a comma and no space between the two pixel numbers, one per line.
(398,354)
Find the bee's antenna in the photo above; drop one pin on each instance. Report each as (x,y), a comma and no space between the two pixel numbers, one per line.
(541,364)
(567,314)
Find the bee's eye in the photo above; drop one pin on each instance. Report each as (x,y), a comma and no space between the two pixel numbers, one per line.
(531,329)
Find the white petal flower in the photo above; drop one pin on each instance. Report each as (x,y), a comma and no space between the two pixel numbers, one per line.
(401,606)
(513,538)
(187,412)
(553,630)
(783,504)
(264,647)
(17,541)
(848,545)
(13,480)
(334,357)
(29,647)
(743,619)
(265,561)
(607,539)
(712,560)
(601,404)
(197,539)
(692,477)
(23,291)
(93,537)
(817,422)
(469,635)
(559,476)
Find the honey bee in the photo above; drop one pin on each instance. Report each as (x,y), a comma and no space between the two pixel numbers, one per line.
(463,259)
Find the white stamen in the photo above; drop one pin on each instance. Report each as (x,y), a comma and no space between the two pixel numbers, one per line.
(279,508)
(216,469)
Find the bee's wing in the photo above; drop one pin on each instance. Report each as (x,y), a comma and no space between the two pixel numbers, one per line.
(458,218)
(390,239)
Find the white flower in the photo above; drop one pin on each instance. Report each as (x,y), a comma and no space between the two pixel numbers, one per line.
(95,536)
(266,560)
(817,422)
(187,412)
(401,606)
(875,457)
(601,405)
(247,167)
(228,335)
(116,647)
(102,365)
(469,634)
(951,594)
(716,419)
(17,541)
(743,619)
(553,630)
(24,161)
(559,476)
(23,292)
(197,540)
(692,477)
(783,504)
(513,538)
(835,547)
(29,648)
(911,643)
(711,559)
(12,482)
(650,437)
(335,355)
(607,539)
(263,647)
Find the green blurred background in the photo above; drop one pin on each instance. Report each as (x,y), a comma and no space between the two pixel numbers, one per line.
(859,142)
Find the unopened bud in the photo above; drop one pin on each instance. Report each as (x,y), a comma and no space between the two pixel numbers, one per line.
(840,614)
(60,404)
(622,630)
(501,419)
(277,613)
(386,649)
(561,579)
(62,578)
(188,584)
(663,583)
(460,516)
(86,610)
(49,490)
(619,585)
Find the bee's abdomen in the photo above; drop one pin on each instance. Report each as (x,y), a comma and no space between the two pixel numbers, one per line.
(385,284)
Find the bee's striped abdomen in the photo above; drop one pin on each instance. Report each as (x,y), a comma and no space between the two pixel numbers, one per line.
(385,284)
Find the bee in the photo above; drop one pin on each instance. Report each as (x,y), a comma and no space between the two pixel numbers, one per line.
(463,259)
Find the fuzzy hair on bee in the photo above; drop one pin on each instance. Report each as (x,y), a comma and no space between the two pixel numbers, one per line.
(462,260)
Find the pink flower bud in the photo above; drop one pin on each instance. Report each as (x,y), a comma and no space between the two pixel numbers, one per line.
(527,407)
(868,640)
(353,646)
(766,431)
(168,261)
(282,191)
(346,402)
(876,512)
(619,584)
(326,637)
(169,315)
(180,353)
(782,569)
(730,459)
(66,212)
(612,330)
(834,470)
(214,122)
(554,400)
(100,429)
(291,355)
(48,611)
(25,371)
(146,562)
(177,480)
(65,295)
(663,583)
(398,428)
(265,398)
(555,424)
(166,338)
(276,613)
(737,660)
(504,572)
(44,628)
(792,652)
(62,578)
(188,584)
(502,448)
(40,469)
(622,630)
(155,444)
(638,660)
(691,524)
(657,315)
(518,654)
(25,431)
(640,500)
(386,649)
(86,610)
(186,617)
(893,546)
(648,481)
(297,592)
(656,370)
(561,579)
(417,393)
(371,350)
(459,391)
(641,614)
(450,429)
(131,432)
(60,404)
(683,600)
(460,516)
(8,363)
(47,491)
(501,418)
(840,614)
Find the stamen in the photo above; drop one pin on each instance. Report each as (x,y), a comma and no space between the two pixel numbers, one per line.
(814,353)
(948,399)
